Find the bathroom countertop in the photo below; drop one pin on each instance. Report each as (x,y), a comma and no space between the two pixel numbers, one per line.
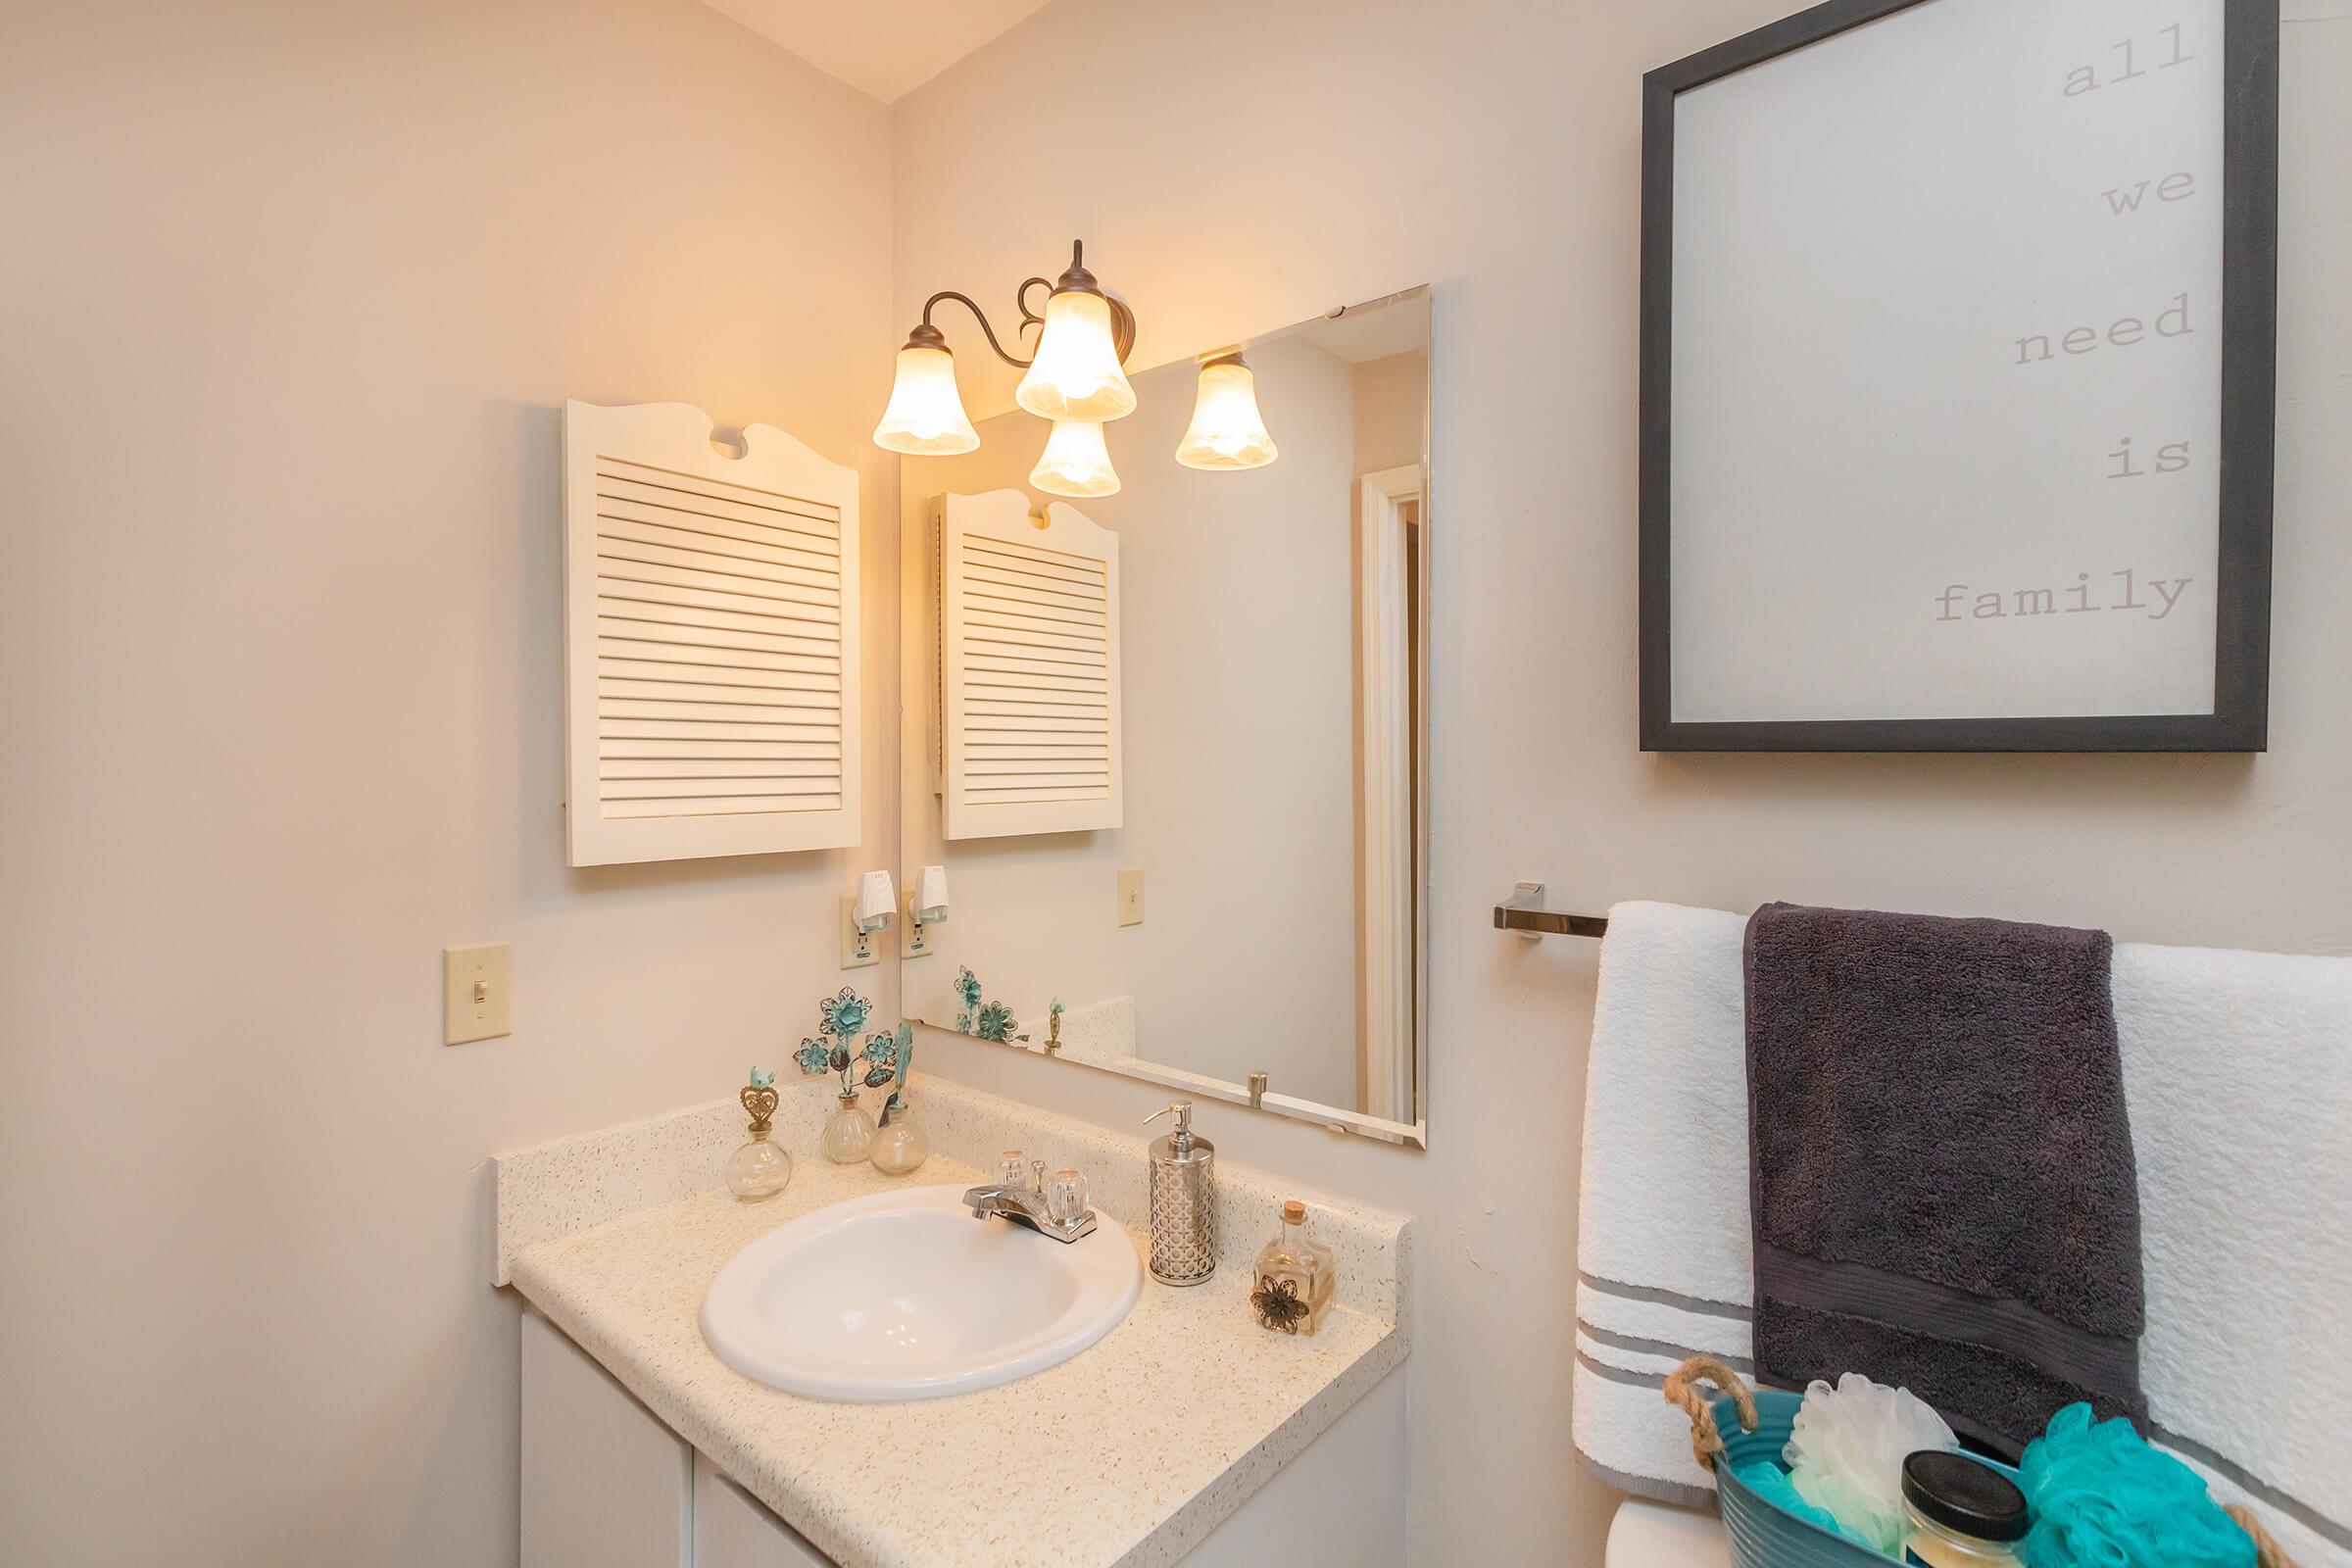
(1129,1453)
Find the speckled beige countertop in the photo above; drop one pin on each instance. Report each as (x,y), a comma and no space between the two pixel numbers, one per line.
(1129,1453)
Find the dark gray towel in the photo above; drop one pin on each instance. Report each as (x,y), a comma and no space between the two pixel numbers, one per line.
(1940,1165)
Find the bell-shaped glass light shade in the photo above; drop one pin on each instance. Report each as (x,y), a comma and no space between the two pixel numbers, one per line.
(925,416)
(1227,430)
(1076,374)
(1076,461)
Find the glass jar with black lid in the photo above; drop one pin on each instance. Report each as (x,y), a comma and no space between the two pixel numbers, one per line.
(1960,1513)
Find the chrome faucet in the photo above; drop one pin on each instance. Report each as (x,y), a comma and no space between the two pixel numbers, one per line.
(1028,1206)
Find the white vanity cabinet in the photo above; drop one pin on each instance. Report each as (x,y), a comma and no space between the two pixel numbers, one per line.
(606,1485)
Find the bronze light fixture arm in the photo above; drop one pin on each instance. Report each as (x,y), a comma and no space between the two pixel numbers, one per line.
(932,337)
(1076,278)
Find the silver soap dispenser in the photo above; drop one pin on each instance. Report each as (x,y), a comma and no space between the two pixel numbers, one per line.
(1184,1200)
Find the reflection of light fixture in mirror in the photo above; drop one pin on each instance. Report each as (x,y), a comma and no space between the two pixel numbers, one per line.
(1227,430)
(1076,461)
(1085,336)
(925,416)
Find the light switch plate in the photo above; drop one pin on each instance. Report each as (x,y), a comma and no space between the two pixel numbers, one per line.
(1131,897)
(859,949)
(477,992)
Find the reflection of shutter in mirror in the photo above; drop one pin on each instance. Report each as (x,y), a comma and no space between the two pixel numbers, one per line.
(1030,668)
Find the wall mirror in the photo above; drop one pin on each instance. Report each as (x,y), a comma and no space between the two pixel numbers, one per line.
(1166,748)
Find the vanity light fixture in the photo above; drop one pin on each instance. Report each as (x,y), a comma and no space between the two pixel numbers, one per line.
(1076,461)
(1076,374)
(1085,336)
(1227,430)
(925,416)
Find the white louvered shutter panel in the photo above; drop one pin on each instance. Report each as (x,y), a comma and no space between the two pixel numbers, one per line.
(1029,668)
(711,622)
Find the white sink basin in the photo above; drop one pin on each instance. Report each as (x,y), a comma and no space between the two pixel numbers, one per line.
(905,1296)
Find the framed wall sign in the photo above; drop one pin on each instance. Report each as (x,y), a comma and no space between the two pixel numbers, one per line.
(1957,342)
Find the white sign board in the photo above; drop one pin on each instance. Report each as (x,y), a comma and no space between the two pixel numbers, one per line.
(1945,416)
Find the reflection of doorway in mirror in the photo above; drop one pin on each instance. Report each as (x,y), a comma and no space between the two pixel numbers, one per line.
(1388,578)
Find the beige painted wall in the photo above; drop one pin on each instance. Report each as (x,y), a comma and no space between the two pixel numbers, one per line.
(289,301)
(1391,412)
(1491,150)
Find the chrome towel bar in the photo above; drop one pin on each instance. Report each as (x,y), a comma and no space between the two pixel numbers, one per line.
(1526,912)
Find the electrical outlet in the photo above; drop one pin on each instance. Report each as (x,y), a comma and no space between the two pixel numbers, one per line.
(859,949)
(1130,897)
(916,941)
(477,992)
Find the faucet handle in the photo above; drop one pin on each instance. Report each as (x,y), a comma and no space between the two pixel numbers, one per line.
(1065,1199)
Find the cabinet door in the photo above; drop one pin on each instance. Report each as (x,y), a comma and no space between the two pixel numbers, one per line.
(733,1530)
(710,611)
(1341,1501)
(605,1483)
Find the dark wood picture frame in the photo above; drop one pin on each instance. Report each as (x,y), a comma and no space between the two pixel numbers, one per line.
(2240,719)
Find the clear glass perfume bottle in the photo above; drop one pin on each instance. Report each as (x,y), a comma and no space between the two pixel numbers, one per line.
(900,1144)
(848,1133)
(758,1169)
(1295,1277)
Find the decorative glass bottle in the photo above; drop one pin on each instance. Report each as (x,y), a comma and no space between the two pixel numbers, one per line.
(1295,1277)
(900,1144)
(758,1169)
(848,1133)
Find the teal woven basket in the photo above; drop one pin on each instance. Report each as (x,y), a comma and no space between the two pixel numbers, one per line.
(1762,1535)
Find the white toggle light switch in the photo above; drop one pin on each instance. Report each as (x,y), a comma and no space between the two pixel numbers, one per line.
(477,992)
(1131,897)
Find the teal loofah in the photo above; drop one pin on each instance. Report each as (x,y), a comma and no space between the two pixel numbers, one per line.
(1770,1483)
(2103,1498)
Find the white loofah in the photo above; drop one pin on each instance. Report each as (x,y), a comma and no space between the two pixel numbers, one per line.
(1846,1454)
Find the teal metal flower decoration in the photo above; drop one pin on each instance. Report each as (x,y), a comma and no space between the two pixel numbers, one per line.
(968,989)
(896,1103)
(881,1057)
(995,1023)
(844,1014)
(761,1080)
